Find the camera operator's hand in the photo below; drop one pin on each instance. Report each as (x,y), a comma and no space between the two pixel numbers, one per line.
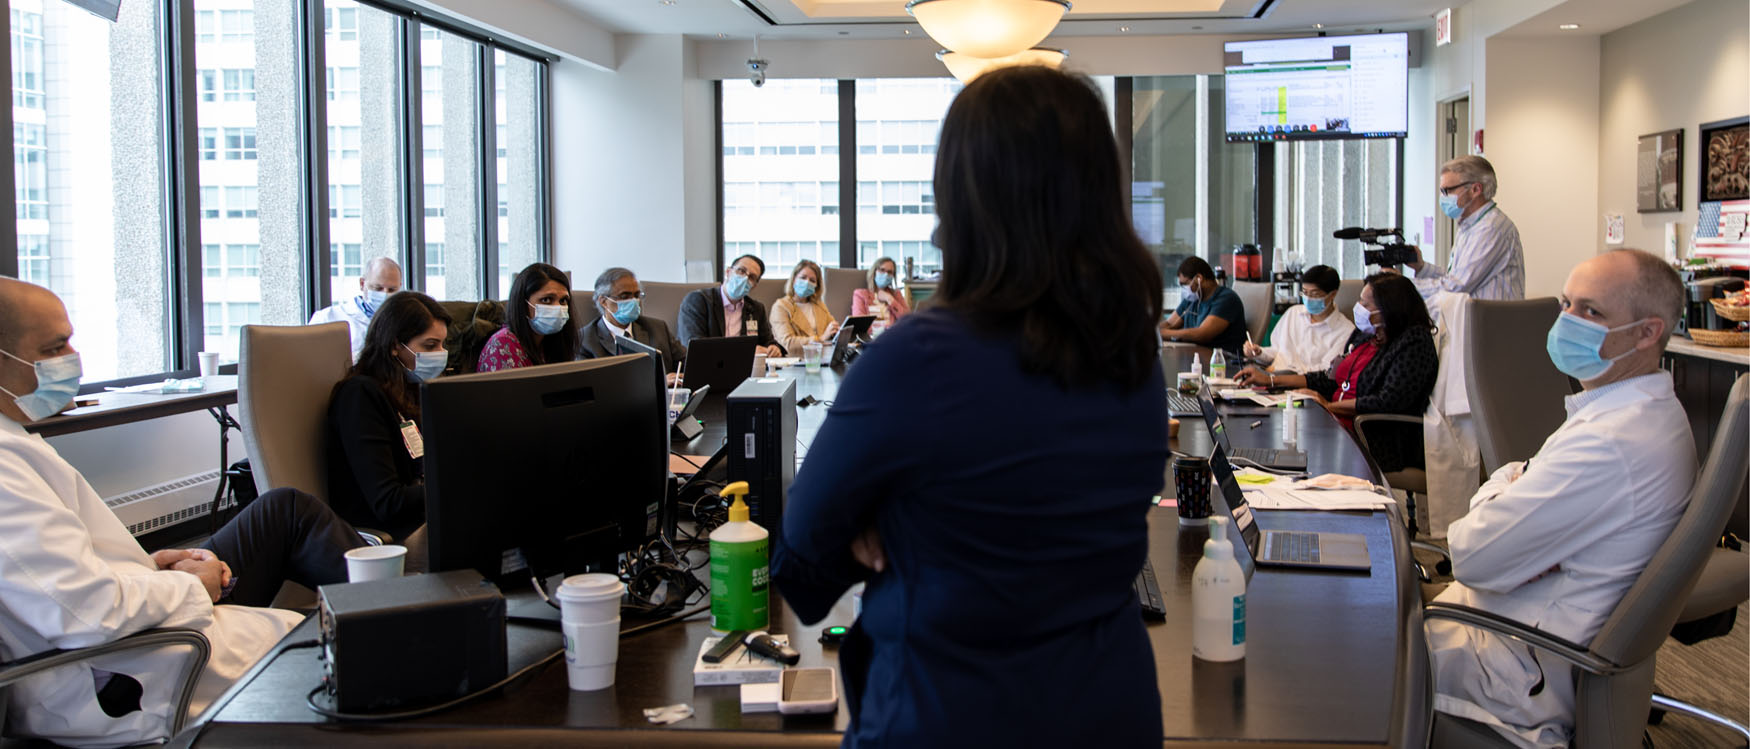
(1415,252)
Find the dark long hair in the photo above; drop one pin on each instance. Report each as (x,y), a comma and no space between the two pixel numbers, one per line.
(1400,303)
(404,317)
(558,347)
(1034,237)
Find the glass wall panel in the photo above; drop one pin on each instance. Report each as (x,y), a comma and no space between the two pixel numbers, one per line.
(88,160)
(898,121)
(1191,192)
(518,141)
(781,172)
(450,124)
(361,47)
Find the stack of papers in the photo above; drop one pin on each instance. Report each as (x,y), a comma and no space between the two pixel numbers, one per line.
(1262,399)
(1277,497)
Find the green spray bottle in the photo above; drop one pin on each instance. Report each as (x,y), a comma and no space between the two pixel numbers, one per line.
(739,578)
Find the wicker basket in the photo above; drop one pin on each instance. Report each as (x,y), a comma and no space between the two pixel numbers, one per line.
(1726,311)
(1726,338)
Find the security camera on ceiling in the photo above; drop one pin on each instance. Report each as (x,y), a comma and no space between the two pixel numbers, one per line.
(756,71)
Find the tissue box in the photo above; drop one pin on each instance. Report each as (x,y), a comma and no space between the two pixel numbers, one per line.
(741,667)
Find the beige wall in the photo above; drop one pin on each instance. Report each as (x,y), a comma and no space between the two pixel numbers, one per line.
(1674,70)
(1542,138)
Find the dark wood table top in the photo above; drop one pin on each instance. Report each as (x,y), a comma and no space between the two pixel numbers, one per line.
(115,408)
(1325,661)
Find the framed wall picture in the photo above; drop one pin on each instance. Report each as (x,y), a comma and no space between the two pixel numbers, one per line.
(1725,160)
(1659,172)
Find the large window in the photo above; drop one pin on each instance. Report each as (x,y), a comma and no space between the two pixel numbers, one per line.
(1323,186)
(780,167)
(1192,193)
(89,161)
(163,247)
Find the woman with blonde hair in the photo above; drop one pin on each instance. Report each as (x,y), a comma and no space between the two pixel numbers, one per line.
(881,297)
(801,316)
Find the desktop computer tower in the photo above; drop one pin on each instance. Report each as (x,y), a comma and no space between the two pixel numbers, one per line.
(762,445)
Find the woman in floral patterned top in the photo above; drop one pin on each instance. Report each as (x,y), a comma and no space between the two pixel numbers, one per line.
(538,326)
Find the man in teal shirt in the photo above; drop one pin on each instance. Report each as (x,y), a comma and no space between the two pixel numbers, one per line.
(1209,314)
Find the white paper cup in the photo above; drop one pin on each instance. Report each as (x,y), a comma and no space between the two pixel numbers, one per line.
(367,563)
(589,614)
(209,363)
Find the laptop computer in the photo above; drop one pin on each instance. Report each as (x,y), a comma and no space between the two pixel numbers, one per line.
(721,363)
(1338,551)
(1282,459)
(853,329)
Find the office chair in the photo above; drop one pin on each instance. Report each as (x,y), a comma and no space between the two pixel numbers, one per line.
(841,283)
(1515,391)
(1259,300)
(151,639)
(1411,481)
(284,379)
(1348,293)
(663,300)
(1614,673)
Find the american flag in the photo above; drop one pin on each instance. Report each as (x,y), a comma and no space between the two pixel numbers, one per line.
(1722,231)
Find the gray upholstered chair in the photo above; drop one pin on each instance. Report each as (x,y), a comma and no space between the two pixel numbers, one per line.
(1260,301)
(771,289)
(583,308)
(1348,293)
(139,642)
(841,283)
(1515,391)
(285,376)
(1614,688)
(662,300)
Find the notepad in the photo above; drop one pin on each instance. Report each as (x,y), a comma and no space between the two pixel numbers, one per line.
(1283,498)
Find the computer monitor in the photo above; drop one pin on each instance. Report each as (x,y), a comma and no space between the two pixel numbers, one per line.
(558,468)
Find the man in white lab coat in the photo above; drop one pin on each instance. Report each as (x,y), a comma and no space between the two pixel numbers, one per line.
(1555,541)
(382,277)
(72,576)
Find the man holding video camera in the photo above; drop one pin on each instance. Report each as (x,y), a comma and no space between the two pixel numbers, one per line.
(1488,261)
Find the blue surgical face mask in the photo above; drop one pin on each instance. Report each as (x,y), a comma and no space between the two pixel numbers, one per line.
(549,318)
(428,364)
(1573,345)
(883,280)
(737,287)
(1314,307)
(1189,289)
(57,381)
(804,288)
(374,299)
(626,311)
(1364,319)
(1449,206)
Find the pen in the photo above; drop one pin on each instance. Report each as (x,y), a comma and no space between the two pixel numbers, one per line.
(1257,423)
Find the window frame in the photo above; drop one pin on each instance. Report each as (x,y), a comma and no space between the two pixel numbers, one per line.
(185,85)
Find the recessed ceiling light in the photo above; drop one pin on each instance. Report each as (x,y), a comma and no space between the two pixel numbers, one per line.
(907,32)
(721,35)
(667,2)
(1568,26)
(1123,29)
(1318,25)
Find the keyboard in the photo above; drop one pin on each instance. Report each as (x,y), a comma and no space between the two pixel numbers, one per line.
(1270,458)
(1154,607)
(1180,404)
(1289,546)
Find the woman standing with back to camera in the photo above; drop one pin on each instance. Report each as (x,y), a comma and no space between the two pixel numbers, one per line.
(1001,543)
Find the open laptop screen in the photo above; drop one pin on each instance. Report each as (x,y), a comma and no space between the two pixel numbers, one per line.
(1243,531)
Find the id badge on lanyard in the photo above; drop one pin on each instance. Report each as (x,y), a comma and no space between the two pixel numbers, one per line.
(752,327)
(411,437)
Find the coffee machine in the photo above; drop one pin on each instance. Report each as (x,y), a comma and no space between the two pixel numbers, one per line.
(1698,313)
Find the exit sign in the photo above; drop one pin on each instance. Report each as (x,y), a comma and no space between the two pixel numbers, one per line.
(1443,28)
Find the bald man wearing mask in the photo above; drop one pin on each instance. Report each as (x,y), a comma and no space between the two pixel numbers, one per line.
(382,277)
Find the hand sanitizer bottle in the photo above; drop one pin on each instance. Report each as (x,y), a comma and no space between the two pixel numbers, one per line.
(1218,599)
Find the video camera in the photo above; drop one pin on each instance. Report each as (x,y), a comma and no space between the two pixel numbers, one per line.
(1389,253)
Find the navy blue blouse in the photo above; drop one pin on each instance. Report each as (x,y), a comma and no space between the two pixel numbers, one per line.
(1014,517)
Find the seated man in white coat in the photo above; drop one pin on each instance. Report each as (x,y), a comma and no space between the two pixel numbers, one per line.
(382,277)
(71,576)
(1555,541)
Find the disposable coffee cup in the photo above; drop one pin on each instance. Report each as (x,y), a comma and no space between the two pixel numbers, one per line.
(589,615)
(759,366)
(367,563)
(209,363)
(1191,488)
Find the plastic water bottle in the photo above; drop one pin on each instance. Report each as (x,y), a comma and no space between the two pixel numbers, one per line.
(1197,365)
(1218,365)
(1218,599)
(1290,421)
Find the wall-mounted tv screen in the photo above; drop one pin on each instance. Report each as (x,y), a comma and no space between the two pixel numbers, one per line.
(1319,88)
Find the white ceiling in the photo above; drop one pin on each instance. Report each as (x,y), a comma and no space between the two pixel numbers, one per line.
(887,19)
(1594,16)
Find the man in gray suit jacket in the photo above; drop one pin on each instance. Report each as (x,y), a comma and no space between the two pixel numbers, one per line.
(619,300)
(727,310)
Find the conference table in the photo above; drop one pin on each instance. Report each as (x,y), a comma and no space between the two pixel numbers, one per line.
(1333,659)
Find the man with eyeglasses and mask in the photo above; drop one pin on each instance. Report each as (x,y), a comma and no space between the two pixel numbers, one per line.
(1488,260)
(72,576)
(382,277)
(1557,540)
(727,310)
(620,300)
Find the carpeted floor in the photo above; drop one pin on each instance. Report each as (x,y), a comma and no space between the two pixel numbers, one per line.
(1712,675)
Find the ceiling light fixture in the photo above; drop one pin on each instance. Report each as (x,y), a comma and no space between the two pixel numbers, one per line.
(967,67)
(988,29)
(1123,29)
(1568,26)
(1318,25)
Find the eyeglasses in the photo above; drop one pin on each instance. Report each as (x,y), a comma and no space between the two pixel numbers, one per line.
(1448,190)
(740,271)
(627,296)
